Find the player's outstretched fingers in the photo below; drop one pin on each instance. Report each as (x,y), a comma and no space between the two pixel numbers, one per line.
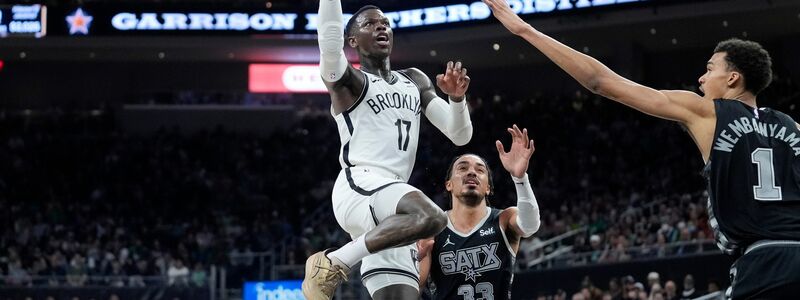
(461,76)
(500,148)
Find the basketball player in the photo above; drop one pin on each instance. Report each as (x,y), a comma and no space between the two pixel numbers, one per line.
(378,113)
(474,256)
(750,152)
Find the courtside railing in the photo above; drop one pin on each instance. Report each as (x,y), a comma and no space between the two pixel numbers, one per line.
(610,254)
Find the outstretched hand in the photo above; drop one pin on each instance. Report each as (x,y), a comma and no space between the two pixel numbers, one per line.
(424,248)
(502,11)
(454,82)
(515,161)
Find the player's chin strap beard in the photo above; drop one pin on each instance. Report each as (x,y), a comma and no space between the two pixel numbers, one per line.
(471,199)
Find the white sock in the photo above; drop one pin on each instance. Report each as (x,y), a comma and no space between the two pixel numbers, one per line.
(349,255)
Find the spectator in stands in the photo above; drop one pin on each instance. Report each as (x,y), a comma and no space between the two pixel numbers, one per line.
(199,276)
(589,290)
(639,292)
(628,287)
(177,273)
(671,290)
(713,286)
(17,275)
(689,291)
(76,272)
(116,275)
(599,251)
(614,288)
(653,278)
(657,292)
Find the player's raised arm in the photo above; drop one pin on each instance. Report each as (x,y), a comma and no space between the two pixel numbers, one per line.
(524,220)
(454,120)
(682,106)
(339,76)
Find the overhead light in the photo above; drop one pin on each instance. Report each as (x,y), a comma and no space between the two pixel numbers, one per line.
(269,4)
(23,54)
(744,33)
(653,31)
(433,53)
(585,49)
(725,23)
(674,41)
(496,47)
(161,55)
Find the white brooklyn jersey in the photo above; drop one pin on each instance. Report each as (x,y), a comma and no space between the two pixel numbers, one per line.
(381,129)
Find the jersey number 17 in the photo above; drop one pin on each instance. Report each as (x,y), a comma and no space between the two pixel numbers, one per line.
(402,143)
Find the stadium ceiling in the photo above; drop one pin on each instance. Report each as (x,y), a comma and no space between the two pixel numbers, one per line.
(658,27)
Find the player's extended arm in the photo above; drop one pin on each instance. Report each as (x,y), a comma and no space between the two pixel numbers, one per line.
(330,35)
(682,106)
(337,73)
(424,247)
(525,219)
(454,120)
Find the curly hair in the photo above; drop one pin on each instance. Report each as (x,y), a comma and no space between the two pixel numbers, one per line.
(348,29)
(750,59)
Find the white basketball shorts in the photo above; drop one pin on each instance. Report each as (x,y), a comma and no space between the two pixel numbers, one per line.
(362,198)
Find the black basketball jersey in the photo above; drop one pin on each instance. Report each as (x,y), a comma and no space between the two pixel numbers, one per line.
(479,264)
(753,176)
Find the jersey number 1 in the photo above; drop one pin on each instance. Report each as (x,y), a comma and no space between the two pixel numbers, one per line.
(766,190)
(401,145)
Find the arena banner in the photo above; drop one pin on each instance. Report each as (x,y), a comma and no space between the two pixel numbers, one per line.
(268,290)
(28,20)
(286,78)
(105,20)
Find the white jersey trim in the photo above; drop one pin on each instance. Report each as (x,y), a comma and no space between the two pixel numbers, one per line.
(474,229)
(508,244)
(360,98)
